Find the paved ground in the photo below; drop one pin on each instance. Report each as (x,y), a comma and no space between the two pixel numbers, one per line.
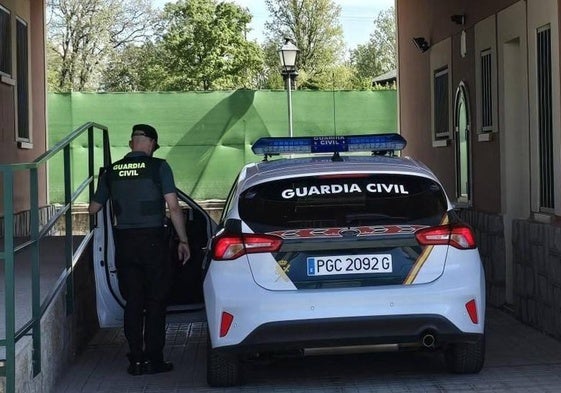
(519,359)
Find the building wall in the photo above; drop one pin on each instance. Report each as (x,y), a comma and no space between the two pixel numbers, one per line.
(518,235)
(431,19)
(12,150)
(490,235)
(537,272)
(486,167)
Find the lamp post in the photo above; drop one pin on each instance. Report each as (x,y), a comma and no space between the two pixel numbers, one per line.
(287,55)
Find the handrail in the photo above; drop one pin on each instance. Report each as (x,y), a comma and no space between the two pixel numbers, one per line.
(71,255)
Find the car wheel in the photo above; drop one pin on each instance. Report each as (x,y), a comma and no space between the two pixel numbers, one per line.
(222,370)
(465,358)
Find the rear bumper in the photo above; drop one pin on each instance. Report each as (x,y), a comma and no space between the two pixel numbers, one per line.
(338,332)
(342,316)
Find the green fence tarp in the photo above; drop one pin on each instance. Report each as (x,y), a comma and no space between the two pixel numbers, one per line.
(206,136)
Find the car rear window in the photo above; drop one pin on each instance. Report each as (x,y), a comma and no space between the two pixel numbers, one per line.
(341,201)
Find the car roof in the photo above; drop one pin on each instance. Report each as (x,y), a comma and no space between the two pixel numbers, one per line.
(268,170)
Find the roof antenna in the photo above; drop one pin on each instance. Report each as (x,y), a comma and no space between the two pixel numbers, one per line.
(336,157)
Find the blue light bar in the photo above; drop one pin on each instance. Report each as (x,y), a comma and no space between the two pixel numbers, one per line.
(328,144)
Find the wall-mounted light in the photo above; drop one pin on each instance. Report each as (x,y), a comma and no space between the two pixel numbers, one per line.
(421,43)
(458,19)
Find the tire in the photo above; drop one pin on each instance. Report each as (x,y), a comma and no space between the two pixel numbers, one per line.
(222,370)
(465,358)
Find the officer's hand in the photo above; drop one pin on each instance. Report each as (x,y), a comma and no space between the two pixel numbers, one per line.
(183,252)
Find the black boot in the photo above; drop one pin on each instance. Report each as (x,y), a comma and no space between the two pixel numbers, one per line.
(135,368)
(151,367)
(135,365)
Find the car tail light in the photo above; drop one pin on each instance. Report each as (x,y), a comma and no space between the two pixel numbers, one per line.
(458,236)
(227,246)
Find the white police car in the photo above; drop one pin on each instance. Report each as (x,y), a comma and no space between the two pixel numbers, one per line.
(326,251)
(341,250)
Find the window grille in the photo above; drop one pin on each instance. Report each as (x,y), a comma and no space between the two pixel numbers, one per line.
(486,92)
(545,128)
(441,115)
(5,43)
(22,80)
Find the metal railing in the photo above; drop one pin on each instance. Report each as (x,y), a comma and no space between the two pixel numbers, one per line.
(38,232)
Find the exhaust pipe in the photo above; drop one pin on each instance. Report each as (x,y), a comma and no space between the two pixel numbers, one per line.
(428,340)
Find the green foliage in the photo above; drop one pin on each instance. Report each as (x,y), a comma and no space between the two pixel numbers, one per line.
(338,77)
(271,75)
(384,39)
(379,54)
(385,86)
(365,60)
(54,64)
(123,45)
(83,35)
(205,47)
(314,27)
(135,68)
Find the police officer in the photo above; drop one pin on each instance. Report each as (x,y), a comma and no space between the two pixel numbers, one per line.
(139,187)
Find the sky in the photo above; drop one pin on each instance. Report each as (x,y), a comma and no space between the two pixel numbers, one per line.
(357,17)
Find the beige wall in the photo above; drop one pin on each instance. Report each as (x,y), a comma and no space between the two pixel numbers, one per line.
(32,12)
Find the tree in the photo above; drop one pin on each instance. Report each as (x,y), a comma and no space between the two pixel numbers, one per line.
(379,55)
(206,47)
(364,59)
(84,33)
(314,26)
(384,39)
(136,68)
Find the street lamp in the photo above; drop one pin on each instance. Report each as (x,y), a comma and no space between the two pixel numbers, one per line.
(287,55)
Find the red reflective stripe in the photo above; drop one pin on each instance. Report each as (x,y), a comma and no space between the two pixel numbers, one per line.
(336,232)
(225,323)
(471,308)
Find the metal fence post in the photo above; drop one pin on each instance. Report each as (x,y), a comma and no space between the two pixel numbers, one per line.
(35,269)
(10,317)
(68,246)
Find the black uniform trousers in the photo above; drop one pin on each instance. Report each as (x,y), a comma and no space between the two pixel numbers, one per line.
(144,273)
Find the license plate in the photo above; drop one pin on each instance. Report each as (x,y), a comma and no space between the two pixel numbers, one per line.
(352,264)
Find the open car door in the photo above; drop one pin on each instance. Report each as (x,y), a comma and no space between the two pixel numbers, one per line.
(186,303)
